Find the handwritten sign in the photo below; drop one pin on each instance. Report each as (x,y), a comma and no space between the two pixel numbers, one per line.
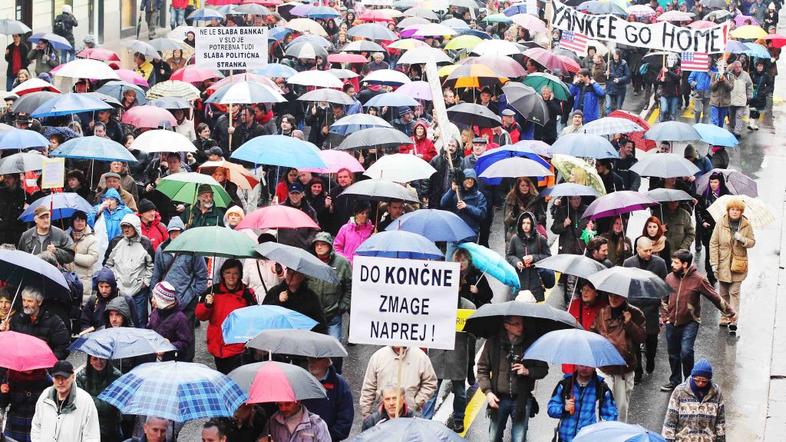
(53,173)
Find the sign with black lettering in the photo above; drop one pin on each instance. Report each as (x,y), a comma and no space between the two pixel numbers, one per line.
(231,48)
(661,36)
(405,302)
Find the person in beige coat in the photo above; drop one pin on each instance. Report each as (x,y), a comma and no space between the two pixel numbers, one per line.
(731,239)
(417,377)
(85,252)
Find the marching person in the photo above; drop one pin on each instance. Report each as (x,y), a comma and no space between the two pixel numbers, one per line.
(581,399)
(65,412)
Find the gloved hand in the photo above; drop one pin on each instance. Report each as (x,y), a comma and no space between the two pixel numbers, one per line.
(738,236)
(715,269)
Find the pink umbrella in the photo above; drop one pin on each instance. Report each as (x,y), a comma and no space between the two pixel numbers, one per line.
(346,58)
(132,77)
(702,24)
(277,217)
(101,54)
(277,382)
(22,352)
(336,160)
(194,74)
(741,20)
(418,90)
(149,117)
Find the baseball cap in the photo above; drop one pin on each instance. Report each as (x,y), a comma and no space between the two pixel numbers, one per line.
(62,368)
(296,187)
(42,209)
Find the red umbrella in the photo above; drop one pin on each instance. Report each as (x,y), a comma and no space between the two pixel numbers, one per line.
(33,85)
(346,58)
(149,117)
(551,61)
(778,40)
(101,54)
(194,74)
(277,217)
(637,137)
(132,77)
(22,352)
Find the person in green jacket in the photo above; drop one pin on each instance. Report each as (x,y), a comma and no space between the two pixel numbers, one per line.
(205,212)
(335,298)
(94,379)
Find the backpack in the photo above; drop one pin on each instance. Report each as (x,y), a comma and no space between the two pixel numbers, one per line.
(59,26)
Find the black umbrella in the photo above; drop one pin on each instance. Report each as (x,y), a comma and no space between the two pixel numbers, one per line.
(379,190)
(471,114)
(375,137)
(526,101)
(567,53)
(299,260)
(666,195)
(576,265)
(25,270)
(298,343)
(28,103)
(541,318)
(630,282)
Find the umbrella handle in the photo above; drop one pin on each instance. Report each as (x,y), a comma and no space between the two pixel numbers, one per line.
(4,324)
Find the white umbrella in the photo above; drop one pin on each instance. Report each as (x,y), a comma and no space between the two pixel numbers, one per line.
(362,46)
(143,48)
(9,27)
(246,92)
(434,30)
(387,76)
(315,78)
(86,68)
(400,168)
(424,55)
(496,47)
(160,140)
(179,33)
(168,44)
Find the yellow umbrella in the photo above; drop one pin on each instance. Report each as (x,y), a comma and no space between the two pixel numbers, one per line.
(463,42)
(749,32)
(407,43)
(444,71)
(578,171)
(474,75)
(306,26)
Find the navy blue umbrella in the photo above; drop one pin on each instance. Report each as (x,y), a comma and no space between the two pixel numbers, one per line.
(63,204)
(23,269)
(64,132)
(434,224)
(122,342)
(399,244)
(520,149)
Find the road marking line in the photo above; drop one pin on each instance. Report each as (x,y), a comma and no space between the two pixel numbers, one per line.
(473,409)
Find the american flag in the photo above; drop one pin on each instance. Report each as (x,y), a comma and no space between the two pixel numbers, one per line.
(574,41)
(695,61)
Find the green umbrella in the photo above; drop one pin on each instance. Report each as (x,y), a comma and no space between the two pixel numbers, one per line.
(213,241)
(182,187)
(538,80)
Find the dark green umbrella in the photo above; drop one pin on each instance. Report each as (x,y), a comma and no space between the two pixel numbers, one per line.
(538,80)
(213,241)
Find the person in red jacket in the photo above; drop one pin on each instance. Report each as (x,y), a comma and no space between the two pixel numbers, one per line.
(584,308)
(423,147)
(216,304)
(152,228)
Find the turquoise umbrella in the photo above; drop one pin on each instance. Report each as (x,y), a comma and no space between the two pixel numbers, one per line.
(492,263)
(94,148)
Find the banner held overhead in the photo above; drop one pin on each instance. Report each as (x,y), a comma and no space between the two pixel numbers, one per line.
(231,48)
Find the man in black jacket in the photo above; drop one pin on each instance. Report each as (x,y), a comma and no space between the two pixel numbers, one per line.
(611,180)
(294,294)
(38,322)
(64,26)
(12,204)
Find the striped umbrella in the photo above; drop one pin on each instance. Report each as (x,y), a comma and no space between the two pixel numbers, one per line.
(173,88)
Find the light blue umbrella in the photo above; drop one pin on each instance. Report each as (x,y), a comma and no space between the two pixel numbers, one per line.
(57,42)
(275,70)
(278,33)
(516,8)
(492,263)
(434,224)
(409,429)
(584,146)
(672,131)
(205,14)
(94,148)
(22,139)
(178,391)
(391,99)
(69,103)
(122,342)
(574,346)
(171,103)
(399,244)
(245,323)
(63,205)
(736,47)
(758,51)
(613,431)
(715,135)
(322,12)
(116,89)
(279,150)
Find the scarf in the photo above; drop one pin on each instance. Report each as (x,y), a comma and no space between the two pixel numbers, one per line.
(658,244)
(700,392)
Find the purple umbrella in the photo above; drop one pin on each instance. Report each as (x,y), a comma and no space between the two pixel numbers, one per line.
(418,90)
(618,203)
(740,20)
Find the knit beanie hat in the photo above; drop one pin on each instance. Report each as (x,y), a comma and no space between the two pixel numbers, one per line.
(702,368)
(146,205)
(164,294)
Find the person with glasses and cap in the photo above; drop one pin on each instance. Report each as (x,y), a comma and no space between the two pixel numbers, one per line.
(205,212)
(696,408)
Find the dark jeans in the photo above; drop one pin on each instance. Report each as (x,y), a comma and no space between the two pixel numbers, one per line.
(680,341)
(225,365)
(459,401)
(650,350)
(141,306)
(498,420)
(188,310)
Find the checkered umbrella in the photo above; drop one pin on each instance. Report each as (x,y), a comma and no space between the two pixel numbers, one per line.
(180,391)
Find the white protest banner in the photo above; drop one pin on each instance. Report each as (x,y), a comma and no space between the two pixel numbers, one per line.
(661,36)
(53,173)
(231,48)
(447,129)
(405,302)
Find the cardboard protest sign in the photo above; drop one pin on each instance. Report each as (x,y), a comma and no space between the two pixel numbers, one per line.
(231,48)
(404,302)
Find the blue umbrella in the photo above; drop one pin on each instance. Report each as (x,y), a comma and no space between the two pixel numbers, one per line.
(280,150)
(574,346)
(476,33)
(275,70)
(20,269)
(602,7)
(569,189)
(205,14)
(391,99)
(399,244)
(516,167)
(434,224)
(22,139)
(94,148)
(116,89)
(63,204)
(245,323)
(278,33)
(64,132)
(736,47)
(584,146)
(57,42)
(321,12)
(491,262)
(409,429)
(516,8)
(520,149)
(69,103)
(672,131)
(122,342)
(757,50)
(715,135)
(178,391)
(613,431)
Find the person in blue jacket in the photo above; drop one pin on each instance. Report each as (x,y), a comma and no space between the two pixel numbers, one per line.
(699,82)
(578,400)
(586,95)
(337,409)
(112,210)
(619,77)
(471,206)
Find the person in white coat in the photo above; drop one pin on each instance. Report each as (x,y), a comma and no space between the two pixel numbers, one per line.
(65,412)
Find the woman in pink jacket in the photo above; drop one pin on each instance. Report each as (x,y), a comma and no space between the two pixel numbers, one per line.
(352,234)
